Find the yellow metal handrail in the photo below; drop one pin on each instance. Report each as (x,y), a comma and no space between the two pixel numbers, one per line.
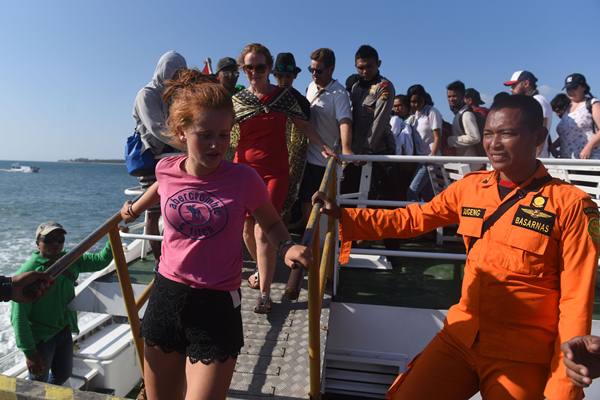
(111,228)
(317,276)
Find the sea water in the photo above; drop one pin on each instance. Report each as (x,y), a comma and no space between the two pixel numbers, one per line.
(80,196)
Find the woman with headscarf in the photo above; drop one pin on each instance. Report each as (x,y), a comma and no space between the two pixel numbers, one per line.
(150,113)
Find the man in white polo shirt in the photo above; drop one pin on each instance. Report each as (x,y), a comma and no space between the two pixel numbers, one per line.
(524,82)
(330,115)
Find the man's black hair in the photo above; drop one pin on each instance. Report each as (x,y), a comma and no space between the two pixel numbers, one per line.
(531,111)
(405,100)
(457,86)
(366,52)
(500,95)
(560,102)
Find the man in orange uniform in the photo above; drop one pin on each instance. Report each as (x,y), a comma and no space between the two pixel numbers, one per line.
(529,276)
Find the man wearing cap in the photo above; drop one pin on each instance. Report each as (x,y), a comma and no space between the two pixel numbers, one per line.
(43,328)
(227,74)
(524,82)
(473,100)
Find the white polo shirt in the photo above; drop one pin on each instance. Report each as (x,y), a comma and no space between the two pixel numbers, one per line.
(326,111)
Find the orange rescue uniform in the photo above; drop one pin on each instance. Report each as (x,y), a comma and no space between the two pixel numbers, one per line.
(528,281)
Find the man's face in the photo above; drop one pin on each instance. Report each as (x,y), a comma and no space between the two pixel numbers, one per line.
(455,100)
(321,74)
(510,144)
(51,245)
(228,78)
(521,87)
(367,68)
(284,80)
(400,109)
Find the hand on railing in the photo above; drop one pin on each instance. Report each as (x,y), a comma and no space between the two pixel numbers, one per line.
(30,286)
(328,207)
(127,212)
(327,152)
(297,255)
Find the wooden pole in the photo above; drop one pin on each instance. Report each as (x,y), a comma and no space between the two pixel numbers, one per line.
(127,290)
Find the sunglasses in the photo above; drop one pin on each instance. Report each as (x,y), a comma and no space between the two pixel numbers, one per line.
(230,73)
(315,71)
(282,75)
(258,68)
(51,239)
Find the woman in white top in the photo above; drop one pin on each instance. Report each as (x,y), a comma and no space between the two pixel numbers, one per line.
(427,121)
(578,128)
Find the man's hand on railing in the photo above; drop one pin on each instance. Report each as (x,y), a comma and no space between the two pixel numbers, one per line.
(328,207)
(297,254)
(327,152)
(30,286)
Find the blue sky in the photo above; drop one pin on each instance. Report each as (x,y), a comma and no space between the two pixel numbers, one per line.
(70,69)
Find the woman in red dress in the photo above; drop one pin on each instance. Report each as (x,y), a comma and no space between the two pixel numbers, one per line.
(262,111)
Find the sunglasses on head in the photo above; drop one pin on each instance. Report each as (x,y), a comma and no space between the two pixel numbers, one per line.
(52,239)
(315,71)
(258,68)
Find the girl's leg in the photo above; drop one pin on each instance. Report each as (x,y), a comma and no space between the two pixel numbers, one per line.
(265,259)
(164,374)
(208,382)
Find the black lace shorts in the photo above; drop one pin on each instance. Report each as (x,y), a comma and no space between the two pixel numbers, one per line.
(203,324)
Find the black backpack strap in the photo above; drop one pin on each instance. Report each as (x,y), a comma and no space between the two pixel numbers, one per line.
(588,105)
(534,186)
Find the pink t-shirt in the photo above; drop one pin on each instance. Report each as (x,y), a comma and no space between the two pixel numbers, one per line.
(203,220)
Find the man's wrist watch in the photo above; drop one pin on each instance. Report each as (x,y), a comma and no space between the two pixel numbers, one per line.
(284,245)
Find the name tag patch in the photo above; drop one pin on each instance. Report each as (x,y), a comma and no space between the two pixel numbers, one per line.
(534,219)
(473,212)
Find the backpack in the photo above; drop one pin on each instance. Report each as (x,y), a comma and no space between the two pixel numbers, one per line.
(480,125)
(588,105)
(446,133)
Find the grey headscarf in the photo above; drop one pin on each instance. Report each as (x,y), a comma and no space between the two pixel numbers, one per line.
(149,110)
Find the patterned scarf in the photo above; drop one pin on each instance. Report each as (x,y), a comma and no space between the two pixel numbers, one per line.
(247,105)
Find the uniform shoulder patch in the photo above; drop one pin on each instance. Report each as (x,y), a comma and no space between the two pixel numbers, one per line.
(534,219)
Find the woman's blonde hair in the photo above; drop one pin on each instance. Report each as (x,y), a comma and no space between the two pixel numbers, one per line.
(256,48)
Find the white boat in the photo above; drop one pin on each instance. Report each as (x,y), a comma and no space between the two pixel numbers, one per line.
(16,167)
(375,317)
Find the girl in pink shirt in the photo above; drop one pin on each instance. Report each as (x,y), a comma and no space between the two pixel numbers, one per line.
(193,312)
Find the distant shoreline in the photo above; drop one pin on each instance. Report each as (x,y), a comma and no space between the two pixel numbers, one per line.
(92,161)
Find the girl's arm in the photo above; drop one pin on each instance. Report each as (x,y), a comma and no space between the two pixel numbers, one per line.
(270,222)
(130,211)
(305,128)
(436,142)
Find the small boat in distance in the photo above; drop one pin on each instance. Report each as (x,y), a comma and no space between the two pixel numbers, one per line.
(16,167)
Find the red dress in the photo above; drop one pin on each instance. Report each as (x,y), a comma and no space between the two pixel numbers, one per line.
(262,146)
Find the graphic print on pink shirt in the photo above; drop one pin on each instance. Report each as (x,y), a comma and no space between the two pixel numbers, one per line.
(195,213)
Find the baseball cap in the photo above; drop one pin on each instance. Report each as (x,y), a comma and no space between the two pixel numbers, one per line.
(226,62)
(520,76)
(574,80)
(45,228)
